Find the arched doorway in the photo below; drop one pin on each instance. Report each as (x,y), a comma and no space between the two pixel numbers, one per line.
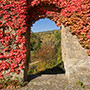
(38,12)
(45,46)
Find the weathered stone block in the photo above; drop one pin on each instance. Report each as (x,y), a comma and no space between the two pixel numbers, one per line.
(76,60)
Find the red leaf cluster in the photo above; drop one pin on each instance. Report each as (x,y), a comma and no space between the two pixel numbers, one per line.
(13,25)
(17,15)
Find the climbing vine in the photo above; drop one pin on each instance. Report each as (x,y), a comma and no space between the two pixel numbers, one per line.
(12,41)
(17,15)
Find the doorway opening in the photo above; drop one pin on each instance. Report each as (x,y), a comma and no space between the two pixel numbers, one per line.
(45,51)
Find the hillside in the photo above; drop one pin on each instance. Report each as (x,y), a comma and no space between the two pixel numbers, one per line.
(47,36)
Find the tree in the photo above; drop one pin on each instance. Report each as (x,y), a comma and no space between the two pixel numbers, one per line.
(35,42)
(46,53)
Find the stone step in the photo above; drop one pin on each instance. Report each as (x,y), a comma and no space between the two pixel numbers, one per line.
(52,82)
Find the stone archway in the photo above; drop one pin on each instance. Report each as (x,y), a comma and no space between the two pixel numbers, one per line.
(72,51)
(51,14)
(16,18)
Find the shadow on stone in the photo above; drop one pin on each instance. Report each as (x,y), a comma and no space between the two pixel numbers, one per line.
(55,70)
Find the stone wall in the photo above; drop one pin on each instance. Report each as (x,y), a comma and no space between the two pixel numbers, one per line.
(76,60)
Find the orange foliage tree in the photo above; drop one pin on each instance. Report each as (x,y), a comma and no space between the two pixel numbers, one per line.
(46,53)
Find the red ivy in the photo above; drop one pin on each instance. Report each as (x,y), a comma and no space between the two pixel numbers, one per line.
(17,15)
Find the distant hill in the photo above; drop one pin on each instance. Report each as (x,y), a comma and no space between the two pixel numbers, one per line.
(47,31)
(47,36)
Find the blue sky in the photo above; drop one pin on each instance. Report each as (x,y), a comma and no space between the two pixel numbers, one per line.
(44,25)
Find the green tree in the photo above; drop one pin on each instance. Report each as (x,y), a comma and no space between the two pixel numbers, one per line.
(35,42)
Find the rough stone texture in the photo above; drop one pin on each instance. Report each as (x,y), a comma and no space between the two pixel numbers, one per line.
(76,60)
(52,82)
